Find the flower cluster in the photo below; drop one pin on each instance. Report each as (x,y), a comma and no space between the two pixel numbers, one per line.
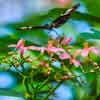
(57,62)
(62,51)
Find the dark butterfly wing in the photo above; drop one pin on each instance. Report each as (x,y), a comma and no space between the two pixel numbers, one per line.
(56,23)
(63,18)
(34,27)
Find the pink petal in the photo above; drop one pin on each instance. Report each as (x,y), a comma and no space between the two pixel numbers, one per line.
(76,53)
(75,62)
(20,43)
(22,50)
(64,56)
(94,50)
(54,49)
(85,52)
(41,49)
(33,48)
(67,41)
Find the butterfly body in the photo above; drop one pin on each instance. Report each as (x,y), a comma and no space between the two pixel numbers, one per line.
(56,23)
(34,27)
(64,17)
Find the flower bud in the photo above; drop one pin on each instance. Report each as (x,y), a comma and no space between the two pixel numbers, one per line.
(65,77)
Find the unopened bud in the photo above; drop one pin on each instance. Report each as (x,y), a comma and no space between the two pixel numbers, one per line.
(47,73)
(97,67)
(16,64)
(15,58)
(4,60)
(92,71)
(65,77)
(29,60)
(26,57)
(10,53)
(44,64)
(95,64)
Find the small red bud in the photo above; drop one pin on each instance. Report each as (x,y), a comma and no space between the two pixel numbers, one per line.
(44,64)
(29,60)
(65,77)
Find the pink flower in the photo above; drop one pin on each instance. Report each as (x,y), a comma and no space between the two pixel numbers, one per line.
(54,49)
(76,53)
(67,41)
(94,50)
(41,49)
(20,46)
(87,49)
(22,50)
(85,52)
(75,62)
(33,48)
(20,43)
(64,56)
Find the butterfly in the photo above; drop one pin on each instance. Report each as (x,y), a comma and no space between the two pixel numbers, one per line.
(55,23)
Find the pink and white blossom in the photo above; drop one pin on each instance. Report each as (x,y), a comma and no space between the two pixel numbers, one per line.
(75,62)
(64,56)
(55,50)
(67,41)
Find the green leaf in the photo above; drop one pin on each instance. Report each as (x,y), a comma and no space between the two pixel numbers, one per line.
(87,35)
(38,37)
(98,86)
(93,7)
(5,41)
(7,92)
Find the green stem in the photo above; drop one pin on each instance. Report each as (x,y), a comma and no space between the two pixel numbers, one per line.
(45,82)
(22,67)
(27,87)
(52,91)
(35,94)
(19,72)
